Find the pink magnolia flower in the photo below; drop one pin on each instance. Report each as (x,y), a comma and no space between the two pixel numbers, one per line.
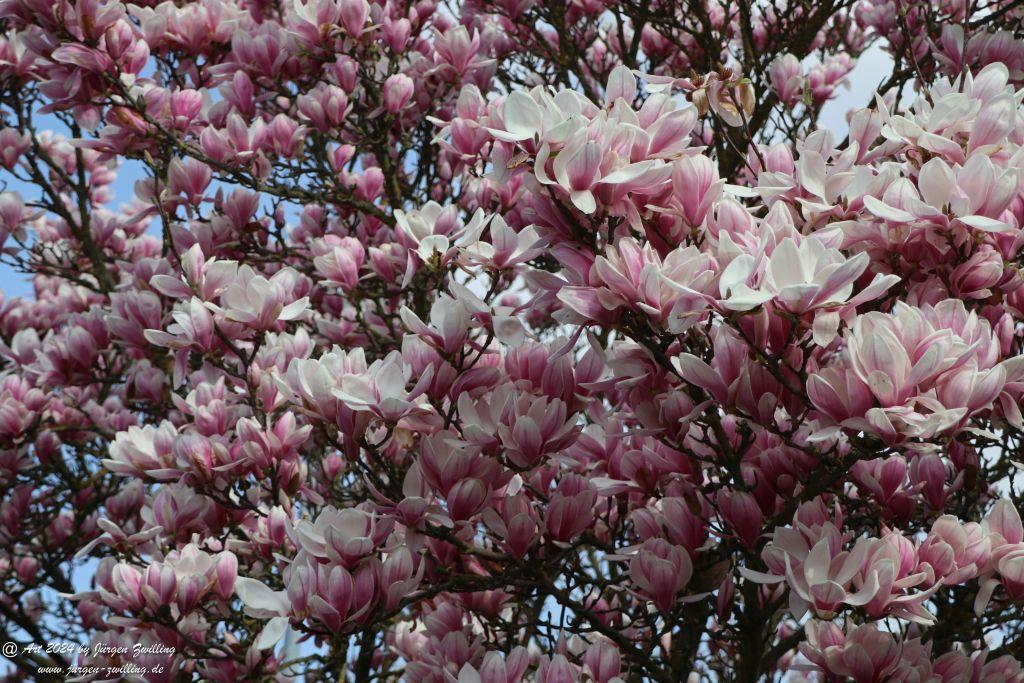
(190,178)
(495,669)
(741,513)
(505,248)
(604,161)
(603,662)
(325,107)
(926,368)
(518,525)
(309,383)
(12,146)
(730,97)
(977,193)
(1006,566)
(381,390)
(823,79)
(886,480)
(261,302)
(434,229)
(674,291)
(954,552)
(787,78)
(342,263)
(13,216)
(398,90)
(571,509)
(863,654)
(449,324)
(696,187)
(660,571)
(892,566)
(579,171)
(144,451)
(532,430)
(801,277)
(820,578)
(354,14)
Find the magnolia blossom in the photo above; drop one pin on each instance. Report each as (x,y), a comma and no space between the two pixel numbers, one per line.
(673,291)
(954,551)
(381,389)
(800,278)
(660,571)
(433,228)
(585,151)
(825,578)
(787,78)
(926,369)
(260,302)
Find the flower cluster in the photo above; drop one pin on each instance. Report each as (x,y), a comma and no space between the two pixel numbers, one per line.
(507,341)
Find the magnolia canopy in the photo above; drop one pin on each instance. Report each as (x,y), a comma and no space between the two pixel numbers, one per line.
(508,341)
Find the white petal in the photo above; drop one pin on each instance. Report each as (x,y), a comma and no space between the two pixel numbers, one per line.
(621,83)
(272,633)
(743,298)
(985,223)
(522,115)
(257,595)
(826,325)
(886,212)
(811,167)
(584,201)
(628,173)
(294,309)
(509,330)
(984,596)
(431,244)
(760,577)
(737,272)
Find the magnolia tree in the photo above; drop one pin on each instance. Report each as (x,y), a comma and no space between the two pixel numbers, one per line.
(511,340)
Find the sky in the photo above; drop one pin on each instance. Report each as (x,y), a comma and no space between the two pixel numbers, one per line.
(15,284)
(869,71)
